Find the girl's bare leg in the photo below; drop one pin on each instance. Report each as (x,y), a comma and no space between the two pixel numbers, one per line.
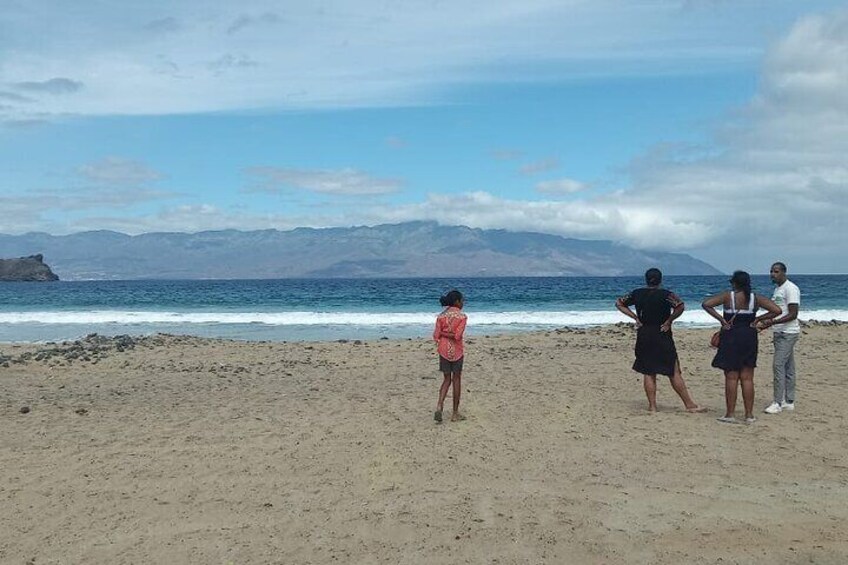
(731,383)
(443,391)
(457,393)
(650,383)
(746,375)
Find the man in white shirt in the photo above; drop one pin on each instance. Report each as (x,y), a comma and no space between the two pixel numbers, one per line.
(786,330)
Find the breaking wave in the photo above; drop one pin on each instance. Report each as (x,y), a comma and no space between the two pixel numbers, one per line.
(305,318)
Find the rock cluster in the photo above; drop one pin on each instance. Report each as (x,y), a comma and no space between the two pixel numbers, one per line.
(26,269)
(91,348)
(813,323)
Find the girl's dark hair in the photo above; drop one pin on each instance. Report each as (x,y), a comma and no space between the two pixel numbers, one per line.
(451,298)
(742,281)
(653,277)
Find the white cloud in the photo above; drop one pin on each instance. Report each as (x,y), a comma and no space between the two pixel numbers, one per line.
(599,219)
(117,171)
(244,21)
(14,97)
(190,218)
(340,182)
(230,61)
(396,142)
(344,54)
(506,154)
(560,186)
(57,85)
(541,166)
(163,25)
(775,183)
(110,184)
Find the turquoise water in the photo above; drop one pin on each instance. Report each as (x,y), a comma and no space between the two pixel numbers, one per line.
(328,309)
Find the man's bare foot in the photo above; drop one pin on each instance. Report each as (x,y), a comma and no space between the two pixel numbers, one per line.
(457,417)
(697,409)
(652,408)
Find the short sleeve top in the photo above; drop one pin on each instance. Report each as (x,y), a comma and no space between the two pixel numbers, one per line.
(653,304)
(784,295)
(448,333)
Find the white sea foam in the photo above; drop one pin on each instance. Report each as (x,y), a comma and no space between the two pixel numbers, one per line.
(516,318)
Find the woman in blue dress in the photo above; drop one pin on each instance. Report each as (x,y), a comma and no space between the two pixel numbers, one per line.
(739,344)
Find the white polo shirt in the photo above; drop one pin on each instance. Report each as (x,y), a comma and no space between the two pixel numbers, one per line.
(784,295)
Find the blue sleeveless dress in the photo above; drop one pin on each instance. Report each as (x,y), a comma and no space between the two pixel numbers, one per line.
(739,345)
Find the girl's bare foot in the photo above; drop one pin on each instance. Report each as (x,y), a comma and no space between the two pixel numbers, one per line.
(457,417)
(697,409)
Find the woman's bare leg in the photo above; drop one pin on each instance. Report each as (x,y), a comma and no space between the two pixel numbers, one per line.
(746,375)
(650,383)
(731,383)
(679,386)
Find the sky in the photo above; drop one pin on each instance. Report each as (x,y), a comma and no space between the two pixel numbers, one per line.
(716,128)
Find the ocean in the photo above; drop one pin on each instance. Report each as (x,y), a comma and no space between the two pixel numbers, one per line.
(333,309)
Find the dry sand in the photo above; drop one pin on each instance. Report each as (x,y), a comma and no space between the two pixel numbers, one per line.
(184,450)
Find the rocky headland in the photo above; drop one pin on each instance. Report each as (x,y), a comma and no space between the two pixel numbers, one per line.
(30,268)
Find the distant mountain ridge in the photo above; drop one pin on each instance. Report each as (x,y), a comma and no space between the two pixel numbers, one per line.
(412,249)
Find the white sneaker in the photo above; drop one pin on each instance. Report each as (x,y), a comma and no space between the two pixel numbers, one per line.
(773,408)
(787,406)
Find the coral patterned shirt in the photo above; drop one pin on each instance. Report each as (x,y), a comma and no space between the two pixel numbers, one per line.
(450,325)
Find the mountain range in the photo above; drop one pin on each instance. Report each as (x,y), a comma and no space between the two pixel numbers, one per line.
(412,249)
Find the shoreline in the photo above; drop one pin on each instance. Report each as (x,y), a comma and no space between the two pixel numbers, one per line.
(473,334)
(201,450)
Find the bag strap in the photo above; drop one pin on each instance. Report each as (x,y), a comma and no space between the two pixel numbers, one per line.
(730,321)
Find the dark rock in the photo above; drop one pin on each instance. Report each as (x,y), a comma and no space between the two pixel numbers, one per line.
(24,410)
(26,269)
(91,348)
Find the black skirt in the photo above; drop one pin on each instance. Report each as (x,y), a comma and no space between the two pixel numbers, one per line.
(739,345)
(655,352)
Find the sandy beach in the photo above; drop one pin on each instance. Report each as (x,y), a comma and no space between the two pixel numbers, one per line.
(185,450)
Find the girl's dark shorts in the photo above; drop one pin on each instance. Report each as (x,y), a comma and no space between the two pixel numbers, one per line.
(446,366)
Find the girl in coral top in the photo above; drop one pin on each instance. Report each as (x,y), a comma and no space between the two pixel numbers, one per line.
(450,325)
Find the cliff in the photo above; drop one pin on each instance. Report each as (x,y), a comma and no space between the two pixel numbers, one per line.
(30,268)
